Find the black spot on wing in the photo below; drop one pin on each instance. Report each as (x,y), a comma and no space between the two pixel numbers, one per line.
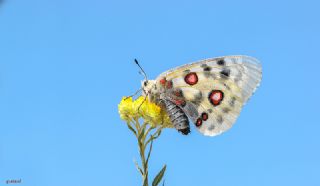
(197,99)
(225,73)
(232,101)
(206,68)
(221,62)
(219,119)
(227,86)
(186,71)
(226,110)
(211,127)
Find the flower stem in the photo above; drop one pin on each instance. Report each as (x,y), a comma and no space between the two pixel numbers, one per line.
(145,139)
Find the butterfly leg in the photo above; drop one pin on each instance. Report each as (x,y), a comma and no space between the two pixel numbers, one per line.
(134,93)
(142,103)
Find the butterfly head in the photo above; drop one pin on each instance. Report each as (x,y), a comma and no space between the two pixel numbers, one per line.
(147,86)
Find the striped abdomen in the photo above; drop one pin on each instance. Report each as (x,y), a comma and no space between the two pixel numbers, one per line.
(177,117)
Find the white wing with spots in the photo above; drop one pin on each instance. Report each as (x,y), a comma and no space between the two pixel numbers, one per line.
(236,77)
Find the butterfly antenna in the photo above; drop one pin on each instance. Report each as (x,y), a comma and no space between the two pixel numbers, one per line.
(143,72)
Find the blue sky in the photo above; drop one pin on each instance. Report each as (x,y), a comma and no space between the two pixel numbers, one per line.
(64,66)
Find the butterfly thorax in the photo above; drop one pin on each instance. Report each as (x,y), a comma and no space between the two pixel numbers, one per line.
(158,94)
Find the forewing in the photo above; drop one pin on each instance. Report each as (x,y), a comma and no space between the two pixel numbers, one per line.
(212,92)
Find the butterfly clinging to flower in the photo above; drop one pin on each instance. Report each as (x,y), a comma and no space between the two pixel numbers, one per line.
(209,92)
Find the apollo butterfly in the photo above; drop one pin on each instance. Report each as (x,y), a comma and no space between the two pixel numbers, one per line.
(209,92)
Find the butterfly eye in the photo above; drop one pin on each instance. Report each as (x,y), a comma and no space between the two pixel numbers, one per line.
(145,83)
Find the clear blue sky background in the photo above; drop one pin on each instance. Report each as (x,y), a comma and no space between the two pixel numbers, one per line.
(64,66)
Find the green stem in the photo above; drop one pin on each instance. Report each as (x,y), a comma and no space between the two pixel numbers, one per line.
(141,132)
(144,137)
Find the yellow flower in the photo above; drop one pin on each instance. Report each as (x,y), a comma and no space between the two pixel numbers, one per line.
(125,108)
(151,113)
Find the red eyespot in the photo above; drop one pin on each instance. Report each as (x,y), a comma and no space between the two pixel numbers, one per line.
(178,93)
(180,102)
(191,78)
(204,116)
(163,81)
(199,122)
(169,84)
(215,97)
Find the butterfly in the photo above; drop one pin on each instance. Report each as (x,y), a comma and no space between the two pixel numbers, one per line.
(210,93)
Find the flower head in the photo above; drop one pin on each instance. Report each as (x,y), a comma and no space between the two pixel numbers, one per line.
(152,114)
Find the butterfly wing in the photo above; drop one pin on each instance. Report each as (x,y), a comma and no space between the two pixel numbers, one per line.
(212,91)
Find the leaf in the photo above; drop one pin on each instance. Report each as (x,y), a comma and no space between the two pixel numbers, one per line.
(154,136)
(157,134)
(137,166)
(129,126)
(159,176)
(150,149)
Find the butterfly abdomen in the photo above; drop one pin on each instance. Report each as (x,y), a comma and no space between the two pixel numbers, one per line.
(177,117)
